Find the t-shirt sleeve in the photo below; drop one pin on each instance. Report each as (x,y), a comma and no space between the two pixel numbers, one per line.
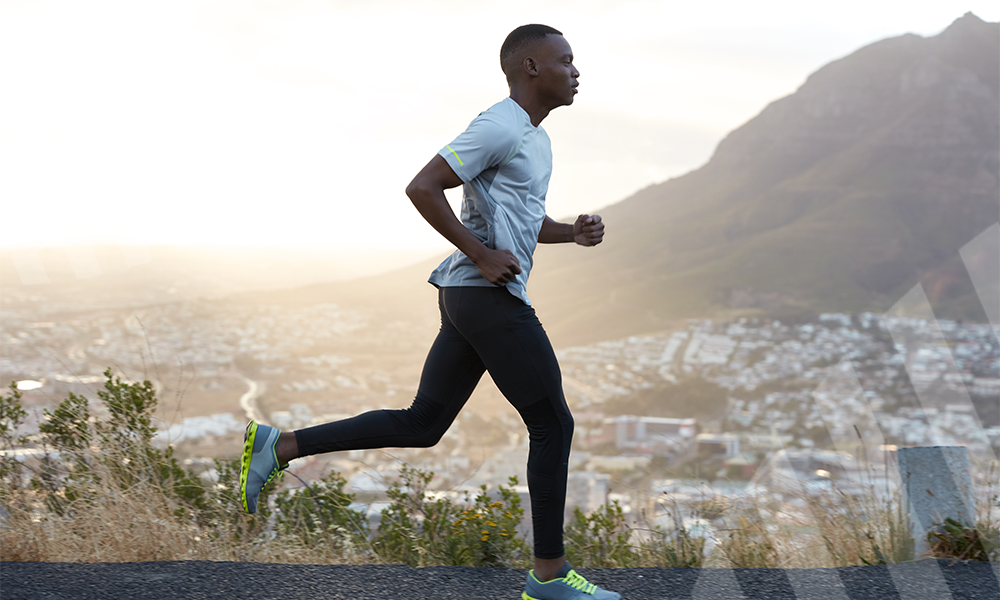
(489,141)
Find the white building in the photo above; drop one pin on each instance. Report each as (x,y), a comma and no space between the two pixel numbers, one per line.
(656,435)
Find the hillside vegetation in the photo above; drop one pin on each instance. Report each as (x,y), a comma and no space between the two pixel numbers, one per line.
(97,490)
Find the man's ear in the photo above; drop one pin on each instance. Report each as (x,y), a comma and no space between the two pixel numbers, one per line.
(530,66)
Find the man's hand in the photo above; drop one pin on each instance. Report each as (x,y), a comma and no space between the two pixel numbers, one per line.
(498,266)
(588,230)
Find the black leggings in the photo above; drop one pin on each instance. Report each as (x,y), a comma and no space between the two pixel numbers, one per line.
(481,328)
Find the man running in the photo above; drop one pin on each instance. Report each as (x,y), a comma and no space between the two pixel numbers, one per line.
(504,161)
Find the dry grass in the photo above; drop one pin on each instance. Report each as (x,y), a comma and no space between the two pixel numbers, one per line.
(145,522)
(120,529)
(794,527)
(138,524)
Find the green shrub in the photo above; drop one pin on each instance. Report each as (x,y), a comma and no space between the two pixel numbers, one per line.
(485,533)
(418,531)
(115,451)
(321,513)
(601,539)
(12,416)
(963,542)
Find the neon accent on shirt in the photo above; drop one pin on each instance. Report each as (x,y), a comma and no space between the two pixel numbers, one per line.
(457,157)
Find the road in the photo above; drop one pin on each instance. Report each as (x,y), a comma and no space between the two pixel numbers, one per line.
(926,580)
(248,401)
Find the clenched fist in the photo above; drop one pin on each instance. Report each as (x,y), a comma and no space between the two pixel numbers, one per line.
(588,230)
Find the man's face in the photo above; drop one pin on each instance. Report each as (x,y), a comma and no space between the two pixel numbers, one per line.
(557,77)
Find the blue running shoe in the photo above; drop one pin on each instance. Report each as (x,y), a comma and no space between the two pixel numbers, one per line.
(259,464)
(570,585)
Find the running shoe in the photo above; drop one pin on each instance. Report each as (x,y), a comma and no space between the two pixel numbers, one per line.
(259,464)
(570,585)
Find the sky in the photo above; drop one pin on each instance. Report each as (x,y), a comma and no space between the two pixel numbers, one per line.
(298,123)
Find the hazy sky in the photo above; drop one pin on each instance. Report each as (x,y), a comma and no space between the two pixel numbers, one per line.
(291,123)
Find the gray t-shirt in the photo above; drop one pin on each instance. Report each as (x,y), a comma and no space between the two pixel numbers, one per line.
(505,163)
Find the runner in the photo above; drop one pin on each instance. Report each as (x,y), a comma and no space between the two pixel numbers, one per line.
(504,161)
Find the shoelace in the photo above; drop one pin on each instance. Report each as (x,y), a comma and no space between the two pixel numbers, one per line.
(278,469)
(577,582)
(275,472)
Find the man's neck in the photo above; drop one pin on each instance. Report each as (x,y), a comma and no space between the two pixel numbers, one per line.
(536,112)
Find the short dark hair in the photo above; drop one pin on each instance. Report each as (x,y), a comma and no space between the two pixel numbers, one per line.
(522,36)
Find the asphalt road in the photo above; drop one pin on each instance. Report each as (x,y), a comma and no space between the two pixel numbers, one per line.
(926,580)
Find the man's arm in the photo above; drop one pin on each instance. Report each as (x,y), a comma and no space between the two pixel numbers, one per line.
(426,191)
(588,230)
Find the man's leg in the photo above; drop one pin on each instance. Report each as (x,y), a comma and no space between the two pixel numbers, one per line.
(450,374)
(451,371)
(509,339)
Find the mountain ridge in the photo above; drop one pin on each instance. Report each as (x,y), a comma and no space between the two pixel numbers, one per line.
(892,149)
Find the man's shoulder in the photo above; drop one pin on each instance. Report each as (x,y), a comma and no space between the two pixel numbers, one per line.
(500,123)
(505,107)
(505,113)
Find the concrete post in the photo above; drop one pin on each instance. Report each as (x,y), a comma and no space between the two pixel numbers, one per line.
(937,485)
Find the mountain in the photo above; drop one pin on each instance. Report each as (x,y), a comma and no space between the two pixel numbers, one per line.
(841,196)
(838,197)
